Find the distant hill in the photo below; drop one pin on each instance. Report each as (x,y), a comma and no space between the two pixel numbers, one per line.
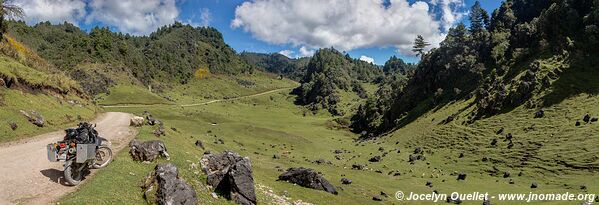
(277,64)
(330,71)
(171,54)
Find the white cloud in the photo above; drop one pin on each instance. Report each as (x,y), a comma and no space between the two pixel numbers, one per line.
(345,24)
(287,53)
(133,16)
(205,17)
(305,52)
(55,11)
(367,59)
(450,12)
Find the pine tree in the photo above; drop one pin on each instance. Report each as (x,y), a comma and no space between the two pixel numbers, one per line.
(419,45)
(479,18)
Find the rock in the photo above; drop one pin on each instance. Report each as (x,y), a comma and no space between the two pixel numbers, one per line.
(594,119)
(494,142)
(499,131)
(412,158)
(506,174)
(136,121)
(486,202)
(232,176)
(346,181)
(199,144)
(512,181)
(275,156)
(509,136)
(152,121)
(577,123)
(418,150)
(586,118)
(337,151)
(462,176)
(429,184)
(159,132)
(34,117)
(455,201)
(583,187)
(375,159)
(461,155)
(534,185)
(377,198)
(384,194)
(540,114)
(171,188)
(357,166)
(510,144)
(148,150)
(307,178)
(13,126)
(320,161)
(2,83)
(448,119)
(381,149)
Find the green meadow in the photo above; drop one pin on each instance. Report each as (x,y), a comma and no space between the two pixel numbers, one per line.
(263,126)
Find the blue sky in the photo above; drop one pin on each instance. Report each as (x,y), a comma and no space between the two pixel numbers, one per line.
(364,28)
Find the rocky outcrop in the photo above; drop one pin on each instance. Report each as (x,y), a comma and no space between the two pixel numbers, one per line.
(231,176)
(34,117)
(307,178)
(171,188)
(147,151)
(136,121)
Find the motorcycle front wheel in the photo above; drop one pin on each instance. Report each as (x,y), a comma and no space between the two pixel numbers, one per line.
(103,157)
(72,174)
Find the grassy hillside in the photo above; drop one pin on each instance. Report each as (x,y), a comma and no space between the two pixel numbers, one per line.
(263,126)
(213,87)
(28,83)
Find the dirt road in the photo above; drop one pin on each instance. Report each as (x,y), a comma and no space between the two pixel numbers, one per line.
(28,177)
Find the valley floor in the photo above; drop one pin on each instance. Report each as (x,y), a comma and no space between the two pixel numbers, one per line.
(263,126)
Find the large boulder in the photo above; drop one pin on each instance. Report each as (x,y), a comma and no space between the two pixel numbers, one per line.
(136,121)
(308,178)
(231,175)
(171,188)
(34,117)
(148,150)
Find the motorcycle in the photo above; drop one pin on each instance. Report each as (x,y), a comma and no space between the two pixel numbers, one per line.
(81,149)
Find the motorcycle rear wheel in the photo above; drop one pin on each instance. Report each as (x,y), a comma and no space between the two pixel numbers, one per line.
(103,157)
(71,174)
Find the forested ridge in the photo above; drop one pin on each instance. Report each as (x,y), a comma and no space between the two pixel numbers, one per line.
(173,53)
(512,57)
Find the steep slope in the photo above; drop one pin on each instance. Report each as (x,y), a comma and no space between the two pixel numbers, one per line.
(29,85)
(517,57)
(328,72)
